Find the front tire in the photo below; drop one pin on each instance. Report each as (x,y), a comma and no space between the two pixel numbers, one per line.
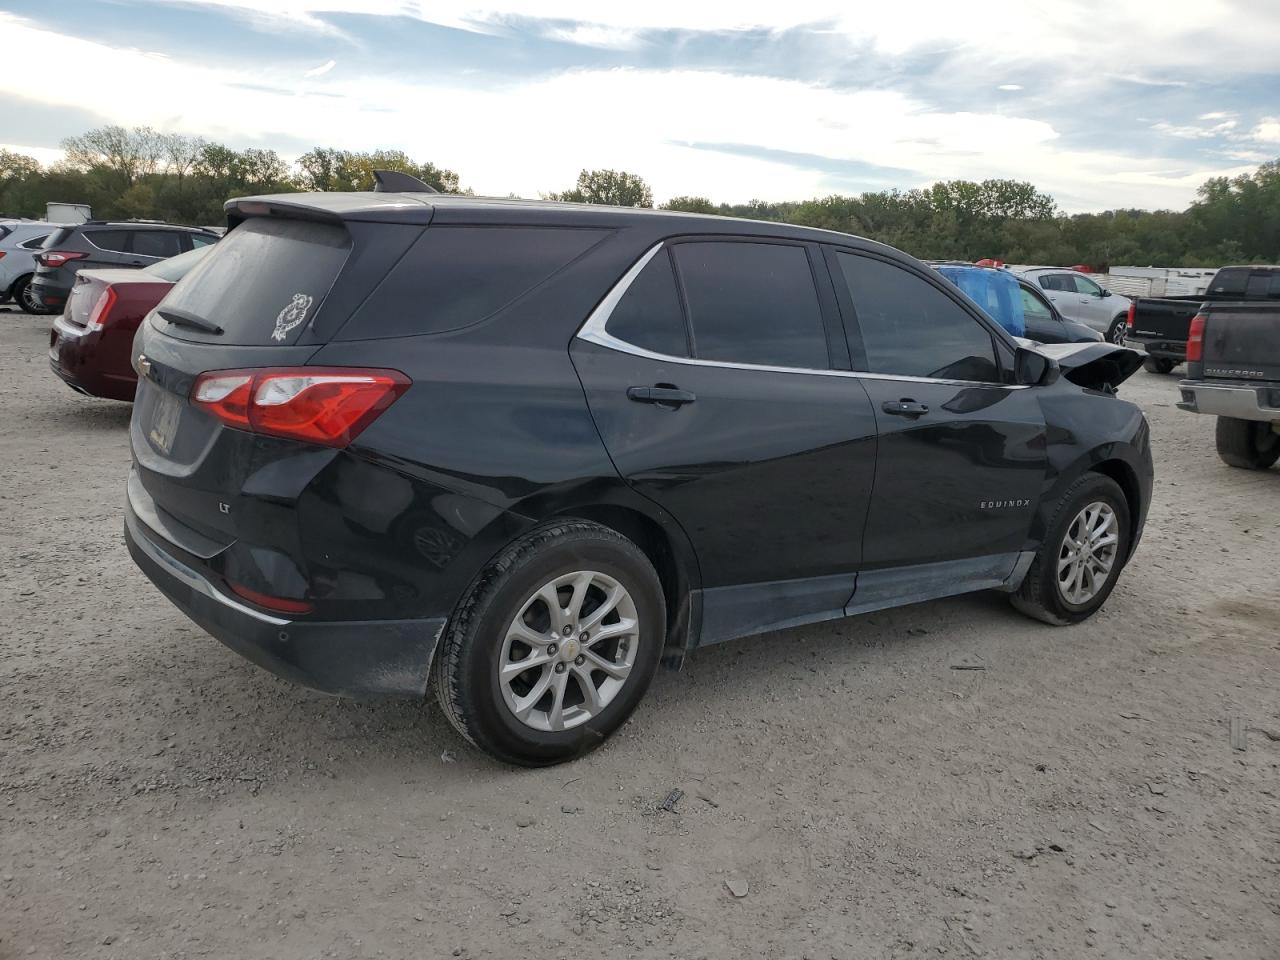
(1159,365)
(1247,444)
(553,646)
(1117,330)
(1082,555)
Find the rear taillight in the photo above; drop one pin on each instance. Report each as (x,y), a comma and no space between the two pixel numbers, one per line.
(1133,308)
(1,254)
(56,258)
(324,405)
(1195,338)
(278,604)
(101,311)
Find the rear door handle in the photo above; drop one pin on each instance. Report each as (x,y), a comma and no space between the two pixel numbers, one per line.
(905,408)
(670,396)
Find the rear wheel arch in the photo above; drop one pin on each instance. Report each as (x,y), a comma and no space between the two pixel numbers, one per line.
(674,562)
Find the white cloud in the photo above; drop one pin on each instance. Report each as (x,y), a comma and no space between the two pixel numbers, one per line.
(534,135)
(1009,86)
(1268,131)
(321,70)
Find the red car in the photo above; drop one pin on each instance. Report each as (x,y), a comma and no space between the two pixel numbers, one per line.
(91,344)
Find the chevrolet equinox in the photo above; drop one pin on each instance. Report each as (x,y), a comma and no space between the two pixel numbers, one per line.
(524,451)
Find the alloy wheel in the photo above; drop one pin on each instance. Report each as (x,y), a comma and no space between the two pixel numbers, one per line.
(569,651)
(1087,553)
(28,300)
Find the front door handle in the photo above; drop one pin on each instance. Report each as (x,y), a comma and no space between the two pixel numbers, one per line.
(667,396)
(905,408)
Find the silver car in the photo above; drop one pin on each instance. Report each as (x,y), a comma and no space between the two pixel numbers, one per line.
(19,243)
(1081,299)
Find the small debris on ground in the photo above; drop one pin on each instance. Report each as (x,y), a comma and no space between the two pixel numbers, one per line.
(737,887)
(448,756)
(673,798)
(1156,788)
(1238,736)
(523,822)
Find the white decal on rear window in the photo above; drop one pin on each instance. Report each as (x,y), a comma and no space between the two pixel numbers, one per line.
(292,315)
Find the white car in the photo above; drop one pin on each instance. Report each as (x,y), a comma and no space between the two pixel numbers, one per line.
(19,243)
(1081,299)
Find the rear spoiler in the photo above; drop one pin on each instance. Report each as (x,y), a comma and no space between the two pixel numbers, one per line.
(335,207)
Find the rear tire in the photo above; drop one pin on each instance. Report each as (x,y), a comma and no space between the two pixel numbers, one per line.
(545,714)
(24,297)
(1117,330)
(1065,583)
(1247,444)
(1159,365)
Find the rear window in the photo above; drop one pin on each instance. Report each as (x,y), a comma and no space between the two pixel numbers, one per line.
(455,276)
(263,283)
(58,237)
(1229,281)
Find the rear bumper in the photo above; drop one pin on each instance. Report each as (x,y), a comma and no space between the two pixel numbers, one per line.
(50,295)
(88,364)
(352,658)
(1243,401)
(1158,348)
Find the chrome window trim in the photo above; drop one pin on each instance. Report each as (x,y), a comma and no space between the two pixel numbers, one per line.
(594,330)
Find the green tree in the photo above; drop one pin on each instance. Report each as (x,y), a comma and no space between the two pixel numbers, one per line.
(615,188)
(689,205)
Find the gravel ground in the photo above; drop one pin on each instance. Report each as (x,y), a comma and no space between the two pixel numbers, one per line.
(1079,797)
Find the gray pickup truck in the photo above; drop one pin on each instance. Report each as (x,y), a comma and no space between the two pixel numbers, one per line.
(1159,324)
(1233,373)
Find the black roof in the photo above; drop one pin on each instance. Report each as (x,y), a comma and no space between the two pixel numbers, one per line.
(458,208)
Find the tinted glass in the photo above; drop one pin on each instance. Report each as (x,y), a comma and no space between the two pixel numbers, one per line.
(1056,281)
(61,235)
(1258,285)
(175,268)
(752,303)
(456,276)
(1086,286)
(649,314)
(911,328)
(1229,281)
(202,240)
(1033,308)
(157,243)
(5,231)
(113,240)
(264,282)
(34,243)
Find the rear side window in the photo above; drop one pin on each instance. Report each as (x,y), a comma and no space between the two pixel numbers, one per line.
(157,243)
(202,240)
(649,314)
(264,282)
(117,241)
(455,276)
(911,328)
(752,303)
(34,243)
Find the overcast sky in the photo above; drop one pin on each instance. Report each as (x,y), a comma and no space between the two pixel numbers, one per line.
(1102,104)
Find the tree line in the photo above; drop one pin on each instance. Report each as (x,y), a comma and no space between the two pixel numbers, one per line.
(146,174)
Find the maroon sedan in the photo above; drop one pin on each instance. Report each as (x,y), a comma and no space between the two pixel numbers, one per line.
(91,344)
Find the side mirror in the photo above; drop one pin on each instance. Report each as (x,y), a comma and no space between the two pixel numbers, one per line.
(1106,292)
(1033,369)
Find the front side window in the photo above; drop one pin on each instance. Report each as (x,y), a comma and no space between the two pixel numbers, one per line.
(649,314)
(752,303)
(1087,287)
(911,328)
(1033,308)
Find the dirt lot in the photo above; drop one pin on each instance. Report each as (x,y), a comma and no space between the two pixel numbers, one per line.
(161,797)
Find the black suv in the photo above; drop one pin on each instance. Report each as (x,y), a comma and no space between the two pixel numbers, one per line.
(101,243)
(526,450)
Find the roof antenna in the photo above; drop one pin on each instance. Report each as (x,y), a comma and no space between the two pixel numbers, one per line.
(393,181)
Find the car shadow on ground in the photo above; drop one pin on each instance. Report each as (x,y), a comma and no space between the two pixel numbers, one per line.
(223,706)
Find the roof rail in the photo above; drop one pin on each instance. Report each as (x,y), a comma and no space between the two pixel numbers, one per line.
(394,181)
